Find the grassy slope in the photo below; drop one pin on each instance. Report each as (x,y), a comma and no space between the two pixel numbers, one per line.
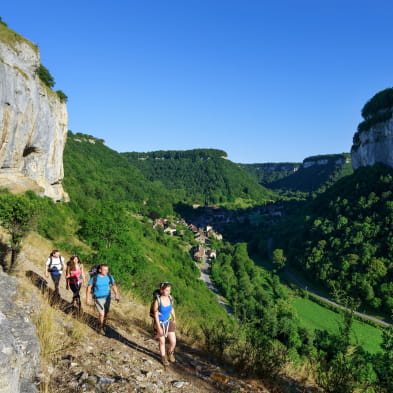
(312,316)
(10,37)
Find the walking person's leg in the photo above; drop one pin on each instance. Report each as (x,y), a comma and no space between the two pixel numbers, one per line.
(56,282)
(172,342)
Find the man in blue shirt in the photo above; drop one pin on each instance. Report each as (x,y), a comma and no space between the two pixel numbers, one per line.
(100,285)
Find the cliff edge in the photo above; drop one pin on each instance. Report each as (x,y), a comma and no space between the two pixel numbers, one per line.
(33,122)
(373,142)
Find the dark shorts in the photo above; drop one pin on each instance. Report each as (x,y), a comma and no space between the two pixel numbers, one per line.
(55,277)
(158,333)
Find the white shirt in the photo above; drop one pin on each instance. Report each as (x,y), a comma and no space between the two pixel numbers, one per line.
(56,264)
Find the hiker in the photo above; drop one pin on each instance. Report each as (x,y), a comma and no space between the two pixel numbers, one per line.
(55,266)
(100,286)
(75,278)
(164,321)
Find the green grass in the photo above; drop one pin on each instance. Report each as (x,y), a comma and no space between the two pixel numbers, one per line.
(11,38)
(312,316)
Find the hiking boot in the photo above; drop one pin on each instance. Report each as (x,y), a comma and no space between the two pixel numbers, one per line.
(164,361)
(101,330)
(171,357)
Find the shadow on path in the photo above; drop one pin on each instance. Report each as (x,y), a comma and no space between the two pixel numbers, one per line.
(88,319)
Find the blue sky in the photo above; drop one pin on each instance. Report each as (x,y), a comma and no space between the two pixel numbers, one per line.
(265,81)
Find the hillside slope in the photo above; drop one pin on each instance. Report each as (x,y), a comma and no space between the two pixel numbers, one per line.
(203,176)
(76,358)
(94,172)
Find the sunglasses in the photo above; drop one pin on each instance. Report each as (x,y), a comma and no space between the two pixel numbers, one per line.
(165,283)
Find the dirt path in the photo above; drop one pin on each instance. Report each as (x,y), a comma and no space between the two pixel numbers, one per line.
(126,359)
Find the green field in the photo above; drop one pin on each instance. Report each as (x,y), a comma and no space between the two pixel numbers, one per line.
(313,316)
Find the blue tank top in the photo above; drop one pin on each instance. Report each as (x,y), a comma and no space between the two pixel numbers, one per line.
(164,313)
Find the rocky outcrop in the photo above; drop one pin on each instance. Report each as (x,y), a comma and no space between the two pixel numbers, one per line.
(373,145)
(33,124)
(19,348)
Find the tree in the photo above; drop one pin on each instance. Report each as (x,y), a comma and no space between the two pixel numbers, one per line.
(279,259)
(17,216)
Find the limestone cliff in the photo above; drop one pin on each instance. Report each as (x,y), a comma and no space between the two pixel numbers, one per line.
(33,122)
(19,348)
(373,142)
(374,145)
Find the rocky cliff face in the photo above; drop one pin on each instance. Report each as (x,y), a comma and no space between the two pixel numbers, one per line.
(373,145)
(33,124)
(19,348)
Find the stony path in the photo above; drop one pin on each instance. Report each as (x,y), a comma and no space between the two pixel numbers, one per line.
(126,359)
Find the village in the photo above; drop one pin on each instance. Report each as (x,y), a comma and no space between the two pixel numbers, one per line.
(199,252)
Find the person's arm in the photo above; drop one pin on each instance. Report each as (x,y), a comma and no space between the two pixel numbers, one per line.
(173,313)
(63,268)
(83,274)
(46,269)
(114,287)
(67,272)
(156,319)
(88,293)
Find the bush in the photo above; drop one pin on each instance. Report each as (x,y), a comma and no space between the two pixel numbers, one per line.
(63,97)
(45,76)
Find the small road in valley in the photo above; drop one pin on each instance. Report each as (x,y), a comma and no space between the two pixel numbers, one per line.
(205,277)
(300,284)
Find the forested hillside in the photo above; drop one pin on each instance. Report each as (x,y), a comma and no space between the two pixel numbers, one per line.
(343,239)
(201,176)
(94,172)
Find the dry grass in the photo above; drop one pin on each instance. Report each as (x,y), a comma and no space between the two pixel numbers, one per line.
(50,335)
(37,248)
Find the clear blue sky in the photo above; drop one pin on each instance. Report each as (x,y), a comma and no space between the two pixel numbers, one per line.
(265,81)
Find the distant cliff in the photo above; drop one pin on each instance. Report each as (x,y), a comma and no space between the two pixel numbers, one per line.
(373,142)
(33,122)
(315,174)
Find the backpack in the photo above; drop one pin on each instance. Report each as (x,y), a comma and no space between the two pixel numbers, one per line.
(156,296)
(50,263)
(94,270)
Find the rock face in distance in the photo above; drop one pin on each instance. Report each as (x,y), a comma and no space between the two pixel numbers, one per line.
(33,125)
(19,347)
(374,145)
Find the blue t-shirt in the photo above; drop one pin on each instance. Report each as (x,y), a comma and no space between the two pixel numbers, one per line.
(102,289)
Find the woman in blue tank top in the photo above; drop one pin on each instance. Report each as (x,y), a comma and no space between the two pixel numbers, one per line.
(164,322)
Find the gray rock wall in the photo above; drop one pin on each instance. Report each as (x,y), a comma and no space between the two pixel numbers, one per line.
(33,125)
(19,347)
(376,145)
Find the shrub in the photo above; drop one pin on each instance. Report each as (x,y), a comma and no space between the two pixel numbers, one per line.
(63,97)
(45,76)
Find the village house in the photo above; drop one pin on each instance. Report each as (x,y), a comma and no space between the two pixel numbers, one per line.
(215,235)
(200,236)
(170,230)
(198,253)
(193,228)
(160,222)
